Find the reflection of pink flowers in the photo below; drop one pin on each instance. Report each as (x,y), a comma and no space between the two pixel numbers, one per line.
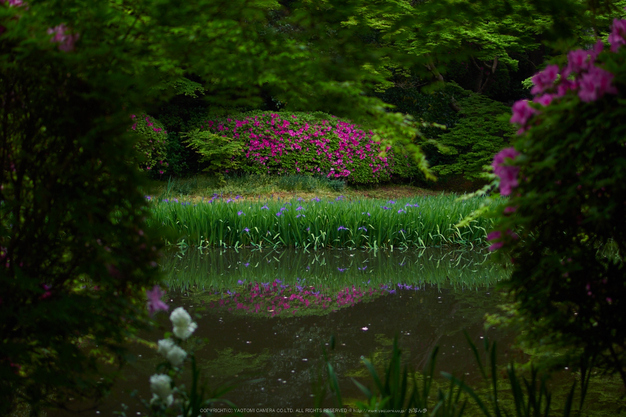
(276,299)
(507,174)
(65,41)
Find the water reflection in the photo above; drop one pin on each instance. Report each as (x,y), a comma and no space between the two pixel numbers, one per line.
(336,269)
(263,325)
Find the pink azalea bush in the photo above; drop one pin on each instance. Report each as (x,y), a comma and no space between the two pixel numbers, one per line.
(151,144)
(568,204)
(584,78)
(300,143)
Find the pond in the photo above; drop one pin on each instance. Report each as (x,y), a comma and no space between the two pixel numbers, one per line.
(265,318)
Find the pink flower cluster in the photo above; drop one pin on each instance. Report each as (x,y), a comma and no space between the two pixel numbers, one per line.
(580,75)
(60,33)
(329,147)
(66,41)
(498,237)
(507,173)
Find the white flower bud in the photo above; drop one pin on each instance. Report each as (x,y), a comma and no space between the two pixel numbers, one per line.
(165,345)
(183,325)
(161,385)
(176,356)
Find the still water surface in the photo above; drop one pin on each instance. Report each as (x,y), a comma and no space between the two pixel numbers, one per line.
(271,350)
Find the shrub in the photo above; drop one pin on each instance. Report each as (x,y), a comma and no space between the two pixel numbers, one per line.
(565,224)
(292,143)
(435,107)
(151,145)
(219,152)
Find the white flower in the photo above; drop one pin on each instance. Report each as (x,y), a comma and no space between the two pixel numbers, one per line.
(185,332)
(168,401)
(176,356)
(165,345)
(174,353)
(161,386)
(183,326)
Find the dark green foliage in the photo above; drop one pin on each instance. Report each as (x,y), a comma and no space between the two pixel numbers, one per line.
(401,391)
(182,114)
(76,254)
(337,185)
(297,183)
(503,85)
(476,131)
(435,107)
(474,140)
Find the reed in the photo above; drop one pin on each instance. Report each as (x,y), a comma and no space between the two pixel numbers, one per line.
(321,223)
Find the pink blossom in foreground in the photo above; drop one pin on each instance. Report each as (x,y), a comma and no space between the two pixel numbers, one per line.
(154,300)
(618,34)
(16,3)
(507,174)
(595,83)
(577,61)
(47,292)
(545,79)
(495,235)
(65,41)
(522,112)
(544,100)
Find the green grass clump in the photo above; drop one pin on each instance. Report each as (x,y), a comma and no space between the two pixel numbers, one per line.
(322,223)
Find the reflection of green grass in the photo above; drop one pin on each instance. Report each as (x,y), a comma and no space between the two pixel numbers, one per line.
(226,269)
(230,364)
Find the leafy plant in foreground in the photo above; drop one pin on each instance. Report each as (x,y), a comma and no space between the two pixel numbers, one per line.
(564,224)
(404,392)
(167,398)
